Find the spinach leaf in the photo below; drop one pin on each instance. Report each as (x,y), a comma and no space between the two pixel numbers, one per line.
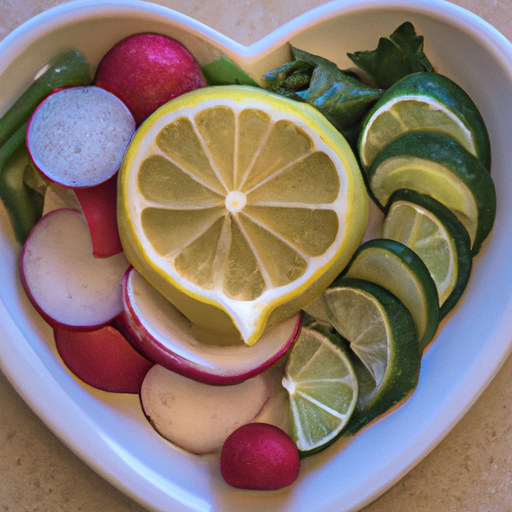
(337,94)
(395,57)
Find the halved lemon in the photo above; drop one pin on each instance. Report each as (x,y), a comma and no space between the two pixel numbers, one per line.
(240,206)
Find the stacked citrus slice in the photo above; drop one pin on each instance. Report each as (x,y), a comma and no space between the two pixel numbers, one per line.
(435,234)
(424,102)
(398,269)
(239,206)
(322,385)
(425,151)
(383,342)
(436,165)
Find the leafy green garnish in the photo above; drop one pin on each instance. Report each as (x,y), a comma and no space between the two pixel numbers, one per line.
(223,71)
(395,57)
(337,94)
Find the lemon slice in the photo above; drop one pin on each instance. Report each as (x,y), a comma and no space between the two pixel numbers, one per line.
(398,269)
(381,333)
(435,234)
(322,385)
(438,166)
(424,102)
(239,206)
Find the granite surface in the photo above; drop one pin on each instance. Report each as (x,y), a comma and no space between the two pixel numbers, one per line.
(471,469)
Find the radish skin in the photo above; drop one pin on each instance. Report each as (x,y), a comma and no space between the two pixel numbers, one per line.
(102,359)
(261,457)
(147,70)
(160,332)
(99,205)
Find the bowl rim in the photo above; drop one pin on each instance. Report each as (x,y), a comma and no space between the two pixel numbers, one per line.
(38,387)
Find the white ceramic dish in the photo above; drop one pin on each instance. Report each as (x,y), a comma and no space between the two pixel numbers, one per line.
(108,431)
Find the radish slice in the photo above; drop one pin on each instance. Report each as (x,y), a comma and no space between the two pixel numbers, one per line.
(65,283)
(103,359)
(99,205)
(196,416)
(78,136)
(160,332)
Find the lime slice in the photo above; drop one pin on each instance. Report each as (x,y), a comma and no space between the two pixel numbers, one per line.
(401,271)
(382,334)
(239,206)
(437,166)
(435,234)
(424,102)
(322,386)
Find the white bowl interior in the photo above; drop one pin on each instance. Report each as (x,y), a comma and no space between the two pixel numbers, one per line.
(109,431)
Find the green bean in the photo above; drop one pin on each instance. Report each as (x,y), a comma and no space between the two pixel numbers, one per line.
(23,203)
(67,68)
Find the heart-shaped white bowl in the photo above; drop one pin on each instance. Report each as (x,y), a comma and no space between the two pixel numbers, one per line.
(108,431)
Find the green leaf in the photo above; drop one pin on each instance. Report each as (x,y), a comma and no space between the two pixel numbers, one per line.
(395,57)
(338,95)
(223,71)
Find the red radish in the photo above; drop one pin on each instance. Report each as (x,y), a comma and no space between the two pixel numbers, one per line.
(259,456)
(77,137)
(147,70)
(102,221)
(198,417)
(103,359)
(160,332)
(65,283)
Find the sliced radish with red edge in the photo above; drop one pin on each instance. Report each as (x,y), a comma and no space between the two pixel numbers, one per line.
(67,285)
(160,332)
(103,359)
(77,137)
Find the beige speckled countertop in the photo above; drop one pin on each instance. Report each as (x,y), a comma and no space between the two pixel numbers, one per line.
(471,470)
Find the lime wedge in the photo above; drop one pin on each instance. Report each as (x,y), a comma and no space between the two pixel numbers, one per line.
(381,333)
